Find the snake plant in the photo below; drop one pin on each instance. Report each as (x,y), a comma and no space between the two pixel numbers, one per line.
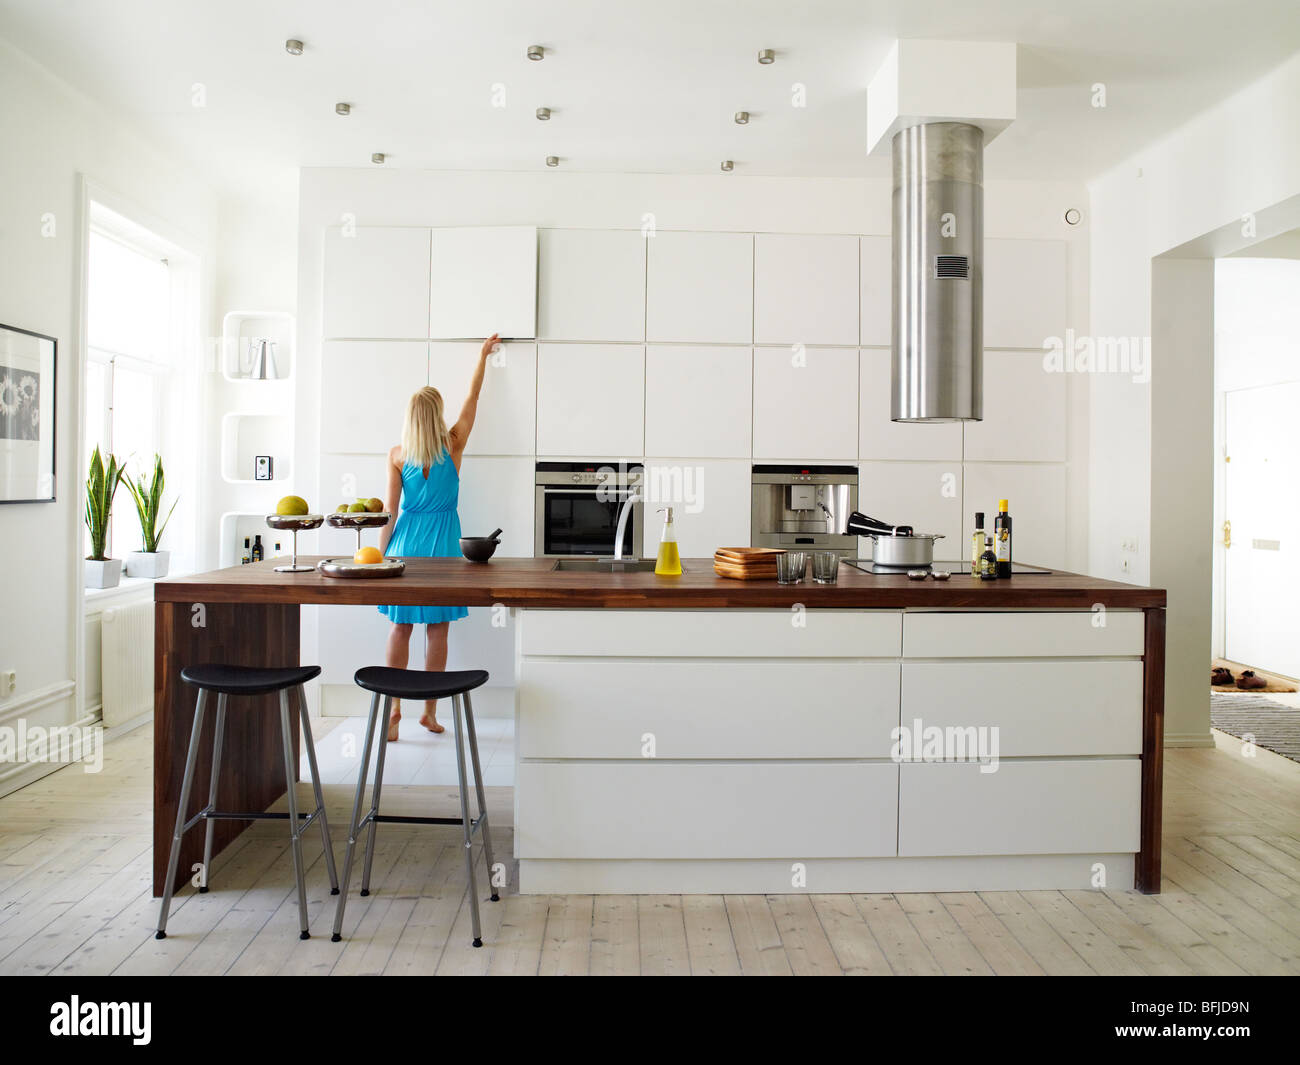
(101,484)
(147,496)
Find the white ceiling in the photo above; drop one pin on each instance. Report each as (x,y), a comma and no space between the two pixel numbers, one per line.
(635,85)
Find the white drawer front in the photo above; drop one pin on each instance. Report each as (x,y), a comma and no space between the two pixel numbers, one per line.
(699,709)
(706,810)
(1039,708)
(1048,807)
(713,633)
(1026,634)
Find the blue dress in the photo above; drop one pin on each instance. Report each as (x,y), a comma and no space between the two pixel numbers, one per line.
(427,527)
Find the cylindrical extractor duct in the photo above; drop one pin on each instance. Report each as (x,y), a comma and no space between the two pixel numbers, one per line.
(938,298)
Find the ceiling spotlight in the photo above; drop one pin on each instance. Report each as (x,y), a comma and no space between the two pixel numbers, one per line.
(536,52)
(378,157)
(343,109)
(543,114)
(742,118)
(293,47)
(767,56)
(728,166)
(552,160)
(1073,217)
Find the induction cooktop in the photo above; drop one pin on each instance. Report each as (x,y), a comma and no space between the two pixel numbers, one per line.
(955,568)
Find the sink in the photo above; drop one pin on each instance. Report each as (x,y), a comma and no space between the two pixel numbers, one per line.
(606,565)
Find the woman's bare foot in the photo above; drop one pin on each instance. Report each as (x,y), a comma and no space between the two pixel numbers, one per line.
(430,722)
(394,719)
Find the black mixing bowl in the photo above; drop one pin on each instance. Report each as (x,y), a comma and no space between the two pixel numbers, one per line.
(480,548)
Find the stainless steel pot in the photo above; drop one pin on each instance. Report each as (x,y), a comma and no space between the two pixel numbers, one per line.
(894,545)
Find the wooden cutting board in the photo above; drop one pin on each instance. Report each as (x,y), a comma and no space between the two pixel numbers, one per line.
(748,555)
(744,573)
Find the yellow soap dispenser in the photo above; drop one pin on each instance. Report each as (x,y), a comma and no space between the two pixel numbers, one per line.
(669,561)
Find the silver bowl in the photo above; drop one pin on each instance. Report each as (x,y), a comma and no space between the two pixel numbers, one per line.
(345,567)
(295,522)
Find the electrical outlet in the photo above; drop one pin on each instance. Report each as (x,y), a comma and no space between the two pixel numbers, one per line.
(8,682)
(1129,545)
(1123,565)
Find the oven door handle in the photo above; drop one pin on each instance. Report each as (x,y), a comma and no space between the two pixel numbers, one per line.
(585,490)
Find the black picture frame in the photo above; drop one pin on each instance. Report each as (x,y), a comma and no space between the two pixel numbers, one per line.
(20,413)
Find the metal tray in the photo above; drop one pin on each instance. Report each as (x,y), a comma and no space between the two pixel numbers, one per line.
(345,567)
(358,520)
(295,522)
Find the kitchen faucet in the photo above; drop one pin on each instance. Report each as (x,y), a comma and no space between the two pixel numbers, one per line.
(633,496)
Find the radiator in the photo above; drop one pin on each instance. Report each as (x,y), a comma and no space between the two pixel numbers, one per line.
(126,644)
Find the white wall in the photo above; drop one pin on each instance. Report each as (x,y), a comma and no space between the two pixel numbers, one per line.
(1239,159)
(51,134)
(727,204)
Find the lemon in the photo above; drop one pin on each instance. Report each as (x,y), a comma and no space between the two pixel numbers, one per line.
(357,508)
(368,556)
(292,506)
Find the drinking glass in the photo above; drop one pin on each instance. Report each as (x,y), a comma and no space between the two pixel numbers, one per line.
(790,567)
(825,566)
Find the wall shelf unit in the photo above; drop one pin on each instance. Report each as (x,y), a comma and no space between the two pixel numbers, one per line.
(244,436)
(239,328)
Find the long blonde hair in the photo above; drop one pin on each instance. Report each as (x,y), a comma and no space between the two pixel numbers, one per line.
(425,439)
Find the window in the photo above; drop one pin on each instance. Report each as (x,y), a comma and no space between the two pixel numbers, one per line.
(129,362)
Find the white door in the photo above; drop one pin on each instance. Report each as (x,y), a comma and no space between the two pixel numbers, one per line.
(1262,565)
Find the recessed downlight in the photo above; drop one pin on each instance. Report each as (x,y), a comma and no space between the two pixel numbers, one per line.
(543,114)
(343,109)
(378,157)
(742,118)
(536,53)
(1073,216)
(767,56)
(728,166)
(552,160)
(293,47)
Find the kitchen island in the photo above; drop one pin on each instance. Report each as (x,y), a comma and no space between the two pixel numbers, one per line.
(699,734)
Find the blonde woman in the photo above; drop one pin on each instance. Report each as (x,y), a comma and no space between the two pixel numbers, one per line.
(423,487)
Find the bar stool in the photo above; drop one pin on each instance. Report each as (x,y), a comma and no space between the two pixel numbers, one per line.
(416,685)
(228,680)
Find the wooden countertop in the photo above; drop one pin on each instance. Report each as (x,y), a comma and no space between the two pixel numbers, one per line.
(530,582)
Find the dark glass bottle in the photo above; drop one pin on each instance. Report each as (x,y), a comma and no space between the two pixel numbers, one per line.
(988,561)
(258,551)
(1002,539)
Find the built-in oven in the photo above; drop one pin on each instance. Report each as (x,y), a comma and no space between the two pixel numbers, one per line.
(579,504)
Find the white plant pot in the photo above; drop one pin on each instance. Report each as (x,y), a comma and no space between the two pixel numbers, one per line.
(104,574)
(150,564)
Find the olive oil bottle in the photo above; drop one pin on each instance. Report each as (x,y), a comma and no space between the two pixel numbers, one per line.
(1002,539)
(669,561)
(977,544)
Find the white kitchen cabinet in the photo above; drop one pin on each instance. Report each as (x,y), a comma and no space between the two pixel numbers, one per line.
(698,401)
(1026,807)
(497,492)
(345,479)
(805,289)
(591,285)
(876,280)
(483,280)
(710,500)
(1024,634)
(881,438)
(365,387)
(376,283)
(924,495)
(805,404)
(1025,292)
(507,408)
(646,808)
(1036,494)
(1025,410)
(591,400)
(700,288)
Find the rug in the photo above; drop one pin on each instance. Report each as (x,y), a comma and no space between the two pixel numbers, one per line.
(1275,727)
(1275,683)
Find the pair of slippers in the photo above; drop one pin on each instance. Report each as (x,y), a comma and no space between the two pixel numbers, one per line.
(1220,676)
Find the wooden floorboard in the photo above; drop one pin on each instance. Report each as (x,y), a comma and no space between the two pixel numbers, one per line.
(75,866)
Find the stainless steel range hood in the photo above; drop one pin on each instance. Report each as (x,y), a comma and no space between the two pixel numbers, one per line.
(937,316)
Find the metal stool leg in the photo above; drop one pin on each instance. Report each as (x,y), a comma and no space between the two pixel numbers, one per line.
(374,802)
(464,816)
(478,787)
(353,828)
(295,834)
(190,759)
(212,790)
(320,795)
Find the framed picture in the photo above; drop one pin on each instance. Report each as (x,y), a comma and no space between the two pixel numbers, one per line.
(27,364)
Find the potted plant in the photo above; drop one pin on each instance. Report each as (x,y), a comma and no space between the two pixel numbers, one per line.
(147,497)
(101,484)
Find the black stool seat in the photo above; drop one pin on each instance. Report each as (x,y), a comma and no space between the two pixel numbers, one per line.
(247,680)
(418,683)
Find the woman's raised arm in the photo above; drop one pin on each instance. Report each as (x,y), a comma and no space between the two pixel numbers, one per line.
(461,430)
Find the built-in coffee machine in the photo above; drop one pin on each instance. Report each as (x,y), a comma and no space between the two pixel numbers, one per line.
(804,508)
